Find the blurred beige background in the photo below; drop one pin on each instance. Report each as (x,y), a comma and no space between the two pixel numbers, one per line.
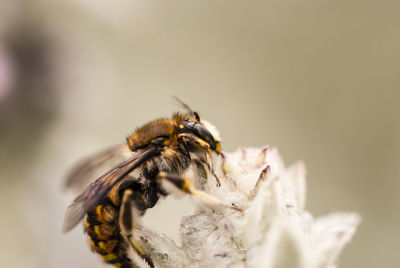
(318,79)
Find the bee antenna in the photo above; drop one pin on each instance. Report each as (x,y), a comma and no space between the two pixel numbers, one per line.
(184,105)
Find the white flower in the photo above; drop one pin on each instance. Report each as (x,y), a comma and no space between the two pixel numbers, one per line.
(274,230)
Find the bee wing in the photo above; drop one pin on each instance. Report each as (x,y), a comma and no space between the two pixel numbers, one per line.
(95,191)
(95,165)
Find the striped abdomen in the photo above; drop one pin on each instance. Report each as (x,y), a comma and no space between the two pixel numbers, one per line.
(101,225)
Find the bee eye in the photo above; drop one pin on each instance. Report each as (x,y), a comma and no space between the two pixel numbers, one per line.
(200,131)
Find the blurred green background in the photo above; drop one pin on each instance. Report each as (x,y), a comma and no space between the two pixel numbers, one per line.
(318,79)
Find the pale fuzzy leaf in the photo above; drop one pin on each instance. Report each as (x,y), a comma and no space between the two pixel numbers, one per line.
(284,246)
(296,174)
(274,159)
(329,235)
(256,215)
(163,250)
(208,238)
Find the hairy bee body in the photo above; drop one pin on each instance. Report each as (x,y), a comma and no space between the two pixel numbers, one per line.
(104,235)
(101,222)
(159,148)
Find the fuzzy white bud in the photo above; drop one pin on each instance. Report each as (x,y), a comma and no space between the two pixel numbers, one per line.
(273,231)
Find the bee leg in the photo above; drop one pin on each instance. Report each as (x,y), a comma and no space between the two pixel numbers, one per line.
(184,185)
(223,164)
(211,168)
(127,225)
(204,146)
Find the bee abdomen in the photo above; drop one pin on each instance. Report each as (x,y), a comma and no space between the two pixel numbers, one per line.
(101,225)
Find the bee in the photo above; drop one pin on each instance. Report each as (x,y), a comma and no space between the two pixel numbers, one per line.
(158,153)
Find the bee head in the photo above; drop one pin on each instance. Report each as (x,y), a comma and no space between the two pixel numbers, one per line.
(203,130)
